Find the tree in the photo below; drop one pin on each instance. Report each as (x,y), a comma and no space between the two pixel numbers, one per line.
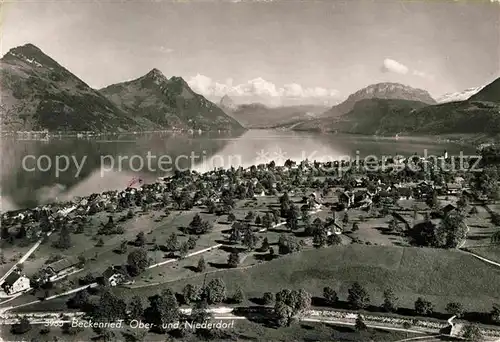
(360,323)
(231,217)
(238,295)
(137,261)
(136,310)
(79,301)
(472,332)
(289,304)
(191,293)
(201,265)
(288,244)
(330,295)
(267,298)
(162,309)
(110,308)
(200,313)
(432,201)
(495,238)
(358,298)
(140,239)
(172,243)
(267,221)
(191,242)
(184,250)
(455,309)
(265,245)
(258,220)
(390,300)
(423,307)
(250,216)
(22,327)
(292,218)
(345,219)
(123,247)
(284,204)
(64,241)
(249,239)
(196,222)
(233,260)
(320,236)
(452,230)
(495,313)
(216,291)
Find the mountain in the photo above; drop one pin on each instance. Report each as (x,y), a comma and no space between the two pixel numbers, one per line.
(38,93)
(459,96)
(168,102)
(390,117)
(384,91)
(257,115)
(394,91)
(227,104)
(490,93)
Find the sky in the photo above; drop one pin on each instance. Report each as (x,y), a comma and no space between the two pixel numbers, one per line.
(305,51)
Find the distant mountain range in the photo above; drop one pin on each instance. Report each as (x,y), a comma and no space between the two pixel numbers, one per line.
(459,96)
(38,93)
(480,114)
(257,115)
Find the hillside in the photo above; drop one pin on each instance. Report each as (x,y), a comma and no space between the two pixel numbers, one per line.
(478,115)
(38,93)
(370,116)
(257,115)
(490,93)
(168,102)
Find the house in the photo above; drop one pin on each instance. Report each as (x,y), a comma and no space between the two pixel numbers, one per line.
(346,198)
(114,275)
(405,193)
(453,188)
(62,267)
(15,283)
(314,201)
(333,227)
(448,208)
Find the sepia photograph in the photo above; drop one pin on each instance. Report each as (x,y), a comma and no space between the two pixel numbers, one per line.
(249,170)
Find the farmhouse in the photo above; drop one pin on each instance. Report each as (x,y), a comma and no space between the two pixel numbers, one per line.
(114,275)
(15,283)
(453,188)
(62,267)
(405,193)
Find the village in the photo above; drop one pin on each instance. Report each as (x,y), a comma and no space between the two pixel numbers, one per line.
(191,224)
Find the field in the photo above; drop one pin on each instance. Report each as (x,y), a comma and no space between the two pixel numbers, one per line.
(440,276)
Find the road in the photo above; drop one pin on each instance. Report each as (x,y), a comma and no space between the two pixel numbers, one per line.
(24,257)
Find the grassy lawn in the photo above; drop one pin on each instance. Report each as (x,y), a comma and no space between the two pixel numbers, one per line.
(243,330)
(489,252)
(440,276)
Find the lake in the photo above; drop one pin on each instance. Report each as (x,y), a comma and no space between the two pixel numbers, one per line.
(36,172)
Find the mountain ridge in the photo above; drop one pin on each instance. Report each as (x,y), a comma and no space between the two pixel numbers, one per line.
(168,102)
(38,93)
(478,115)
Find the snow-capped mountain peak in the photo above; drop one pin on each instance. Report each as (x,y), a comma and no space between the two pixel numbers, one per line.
(459,96)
